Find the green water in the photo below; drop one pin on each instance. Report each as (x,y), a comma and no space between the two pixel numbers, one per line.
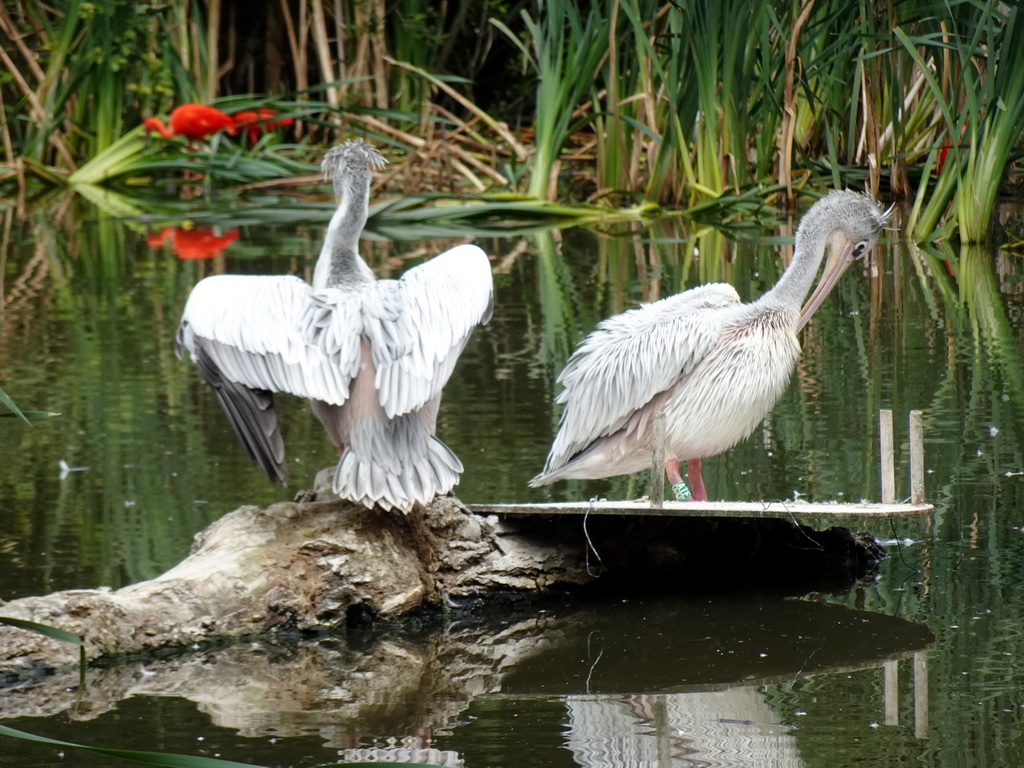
(89,316)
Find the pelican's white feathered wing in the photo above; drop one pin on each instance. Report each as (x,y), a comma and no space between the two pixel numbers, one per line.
(627,361)
(254,336)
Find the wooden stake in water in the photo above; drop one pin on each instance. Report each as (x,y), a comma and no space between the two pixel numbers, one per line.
(916,458)
(891,688)
(658,462)
(921,694)
(885,446)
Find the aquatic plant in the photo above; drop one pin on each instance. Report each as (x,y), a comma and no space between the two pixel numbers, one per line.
(14,409)
(170,759)
(980,96)
(674,103)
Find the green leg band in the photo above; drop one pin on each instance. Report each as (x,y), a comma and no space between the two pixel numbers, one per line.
(681,491)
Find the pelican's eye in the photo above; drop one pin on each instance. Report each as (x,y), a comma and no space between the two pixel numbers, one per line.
(859,249)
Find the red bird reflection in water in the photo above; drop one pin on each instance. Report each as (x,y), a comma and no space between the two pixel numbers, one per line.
(193,121)
(193,243)
(253,122)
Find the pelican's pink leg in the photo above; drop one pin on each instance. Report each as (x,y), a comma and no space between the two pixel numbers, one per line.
(696,481)
(675,479)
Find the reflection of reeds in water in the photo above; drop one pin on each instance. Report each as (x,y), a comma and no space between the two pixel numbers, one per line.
(979,344)
(19,291)
(16,298)
(975,404)
(997,368)
(88,332)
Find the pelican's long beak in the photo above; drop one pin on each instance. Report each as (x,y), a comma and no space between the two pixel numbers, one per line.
(840,257)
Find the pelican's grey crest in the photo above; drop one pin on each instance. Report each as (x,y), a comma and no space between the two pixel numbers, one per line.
(713,365)
(371,355)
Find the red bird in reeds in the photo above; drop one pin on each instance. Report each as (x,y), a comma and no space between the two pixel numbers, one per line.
(945,149)
(194,243)
(253,122)
(193,121)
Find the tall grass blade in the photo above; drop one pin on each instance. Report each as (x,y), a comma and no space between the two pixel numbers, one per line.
(42,629)
(171,760)
(15,411)
(53,633)
(148,758)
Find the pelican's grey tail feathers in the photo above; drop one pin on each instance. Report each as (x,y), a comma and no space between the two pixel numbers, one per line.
(416,480)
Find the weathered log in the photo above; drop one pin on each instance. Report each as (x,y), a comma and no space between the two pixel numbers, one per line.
(312,565)
(293,566)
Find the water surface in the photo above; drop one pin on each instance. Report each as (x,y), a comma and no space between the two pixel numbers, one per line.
(922,666)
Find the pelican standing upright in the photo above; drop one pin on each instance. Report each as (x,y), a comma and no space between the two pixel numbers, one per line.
(713,365)
(372,355)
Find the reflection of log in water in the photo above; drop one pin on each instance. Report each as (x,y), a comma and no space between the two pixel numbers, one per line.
(403,681)
(678,644)
(377,683)
(311,566)
(638,678)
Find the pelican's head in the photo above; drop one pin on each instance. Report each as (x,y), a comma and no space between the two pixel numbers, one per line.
(849,224)
(350,161)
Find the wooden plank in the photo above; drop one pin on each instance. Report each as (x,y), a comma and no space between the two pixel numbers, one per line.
(885,444)
(916,458)
(754,509)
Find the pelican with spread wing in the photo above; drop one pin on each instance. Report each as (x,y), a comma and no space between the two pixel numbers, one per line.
(371,355)
(713,365)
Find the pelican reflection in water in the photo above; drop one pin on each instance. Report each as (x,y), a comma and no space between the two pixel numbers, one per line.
(713,365)
(372,355)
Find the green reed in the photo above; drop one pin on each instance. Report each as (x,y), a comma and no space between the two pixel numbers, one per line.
(980,97)
(91,82)
(565,47)
(996,131)
(676,103)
